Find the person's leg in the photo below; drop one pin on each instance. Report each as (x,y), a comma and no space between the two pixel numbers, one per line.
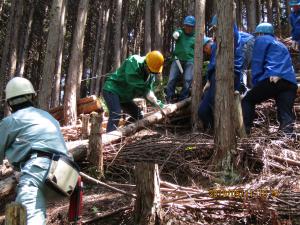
(170,90)
(263,91)
(285,102)
(31,187)
(133,110)
(113,104)
(187,81)
(206,108)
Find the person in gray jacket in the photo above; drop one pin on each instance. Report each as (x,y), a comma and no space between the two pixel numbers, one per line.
(29,138)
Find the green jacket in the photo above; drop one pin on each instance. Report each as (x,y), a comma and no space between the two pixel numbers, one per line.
(131,80)
(184,47)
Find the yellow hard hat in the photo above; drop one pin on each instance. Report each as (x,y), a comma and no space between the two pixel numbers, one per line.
(155,61)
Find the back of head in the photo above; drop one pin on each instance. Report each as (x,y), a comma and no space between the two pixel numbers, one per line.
(264,28)
(155,61)
(19,92)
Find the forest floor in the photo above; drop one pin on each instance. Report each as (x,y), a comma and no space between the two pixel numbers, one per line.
(268,186)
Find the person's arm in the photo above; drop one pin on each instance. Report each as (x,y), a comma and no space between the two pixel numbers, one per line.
(258,58)
(4,131)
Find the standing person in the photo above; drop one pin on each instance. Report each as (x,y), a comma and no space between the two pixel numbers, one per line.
(30,137)
(135,78)
(295,23)
(272,77)
(183,59)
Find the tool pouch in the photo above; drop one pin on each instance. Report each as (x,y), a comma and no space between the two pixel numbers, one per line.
(63,175)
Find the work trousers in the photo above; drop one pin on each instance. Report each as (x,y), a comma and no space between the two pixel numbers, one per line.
(284,93)
(32,191)
(114,106)
(188,68)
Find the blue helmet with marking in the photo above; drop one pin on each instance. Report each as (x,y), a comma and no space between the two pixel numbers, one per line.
(265,28)
(189,20)
(294,2)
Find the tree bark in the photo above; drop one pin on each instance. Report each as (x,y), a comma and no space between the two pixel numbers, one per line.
(157,25)
(70,109)
(117,38)
(95,156)
(225,142)
(51,55)
(269,6)
(147,205)
(125,31)
(147,32)
(277,18)
(251,15)
(198,62)
(55,100)
(15,214)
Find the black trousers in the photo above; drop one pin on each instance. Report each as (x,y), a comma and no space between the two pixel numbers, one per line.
(284,93)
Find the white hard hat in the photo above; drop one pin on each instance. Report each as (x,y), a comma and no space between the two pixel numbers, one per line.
(18,86)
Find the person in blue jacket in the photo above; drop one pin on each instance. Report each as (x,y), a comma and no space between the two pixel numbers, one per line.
(29,138)
(272,77)
(183,60)
(295,22)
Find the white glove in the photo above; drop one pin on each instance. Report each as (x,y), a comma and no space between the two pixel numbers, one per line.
(207,85)
(176,35)
(151,97)
(295,45)
(274,79)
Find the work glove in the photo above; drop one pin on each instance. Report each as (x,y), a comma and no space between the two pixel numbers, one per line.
(295,45)
(152,98)
(274,79)
(243,89)
(206,86)
(176,35)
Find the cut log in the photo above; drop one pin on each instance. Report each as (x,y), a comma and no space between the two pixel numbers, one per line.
(15,214)
(84,106)
(239,122)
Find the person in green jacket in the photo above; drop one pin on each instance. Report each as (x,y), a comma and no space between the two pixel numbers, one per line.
(183,60)
(134,78)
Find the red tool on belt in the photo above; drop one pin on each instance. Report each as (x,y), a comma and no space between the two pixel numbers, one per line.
(76,204)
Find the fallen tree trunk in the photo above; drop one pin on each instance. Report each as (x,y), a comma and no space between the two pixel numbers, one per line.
(84,106)
(78,149)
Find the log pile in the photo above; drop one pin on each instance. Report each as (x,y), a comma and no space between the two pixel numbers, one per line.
(84,106)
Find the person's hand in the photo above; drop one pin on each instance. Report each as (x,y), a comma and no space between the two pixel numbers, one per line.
(176,35)
(274,79)
(151,97)
(206,86)
(295,45)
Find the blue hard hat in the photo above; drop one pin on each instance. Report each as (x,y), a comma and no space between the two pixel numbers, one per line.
(206,40)
(214,21)
(265,28)
(294,2)
(189,20)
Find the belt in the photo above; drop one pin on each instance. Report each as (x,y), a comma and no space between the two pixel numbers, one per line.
(43,154)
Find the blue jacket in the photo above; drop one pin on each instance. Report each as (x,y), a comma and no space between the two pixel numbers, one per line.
(271,58)
(29,129)
(295,23)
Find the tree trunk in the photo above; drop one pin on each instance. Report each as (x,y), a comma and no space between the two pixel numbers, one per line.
(157,25)
(251,15)
(225,142)
(117,39)
(269,10)
(102,62)
(70,109)
(51,55)
(147,205)
(258,11)
(95,144)
(198,55)
(277,18)
(147,32)
(238,16)
(25,43)
(55,100)
(125,31)
(288,12)
(96,58)
(4,59)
